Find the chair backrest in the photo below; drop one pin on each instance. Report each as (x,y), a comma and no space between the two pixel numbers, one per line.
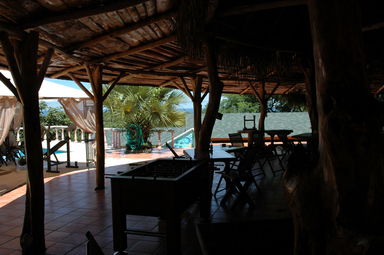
(172,150)
(258,138)
(236,139)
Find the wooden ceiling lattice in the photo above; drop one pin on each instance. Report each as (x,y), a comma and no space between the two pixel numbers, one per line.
(138,38)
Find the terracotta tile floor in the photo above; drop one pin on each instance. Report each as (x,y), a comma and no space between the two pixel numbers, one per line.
(72,207)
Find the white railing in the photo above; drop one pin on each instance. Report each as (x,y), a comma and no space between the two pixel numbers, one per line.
(114,135)
(59,132)
(178,136)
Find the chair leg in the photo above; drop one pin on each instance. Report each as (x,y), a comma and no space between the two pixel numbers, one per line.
(217,190)
(243,195)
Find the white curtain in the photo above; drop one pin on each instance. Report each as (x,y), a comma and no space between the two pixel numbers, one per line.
(9,108)
(81,112)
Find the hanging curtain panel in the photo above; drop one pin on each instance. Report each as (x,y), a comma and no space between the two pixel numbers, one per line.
(81,112)
(8,107)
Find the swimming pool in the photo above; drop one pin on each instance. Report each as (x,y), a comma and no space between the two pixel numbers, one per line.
(185,140)
(58,151)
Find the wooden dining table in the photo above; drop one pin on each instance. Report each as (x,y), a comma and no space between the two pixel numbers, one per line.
(218,154)
(271,132)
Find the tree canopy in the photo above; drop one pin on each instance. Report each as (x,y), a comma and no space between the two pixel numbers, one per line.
(234,103)
(149,107)
(52,116)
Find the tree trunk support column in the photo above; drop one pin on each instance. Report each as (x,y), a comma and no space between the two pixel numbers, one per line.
(95,78)
(196,99)
(22,61)
(215,91)
(311,101)
(345,208)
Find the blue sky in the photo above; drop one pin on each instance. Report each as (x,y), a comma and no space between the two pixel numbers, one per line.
(53,103)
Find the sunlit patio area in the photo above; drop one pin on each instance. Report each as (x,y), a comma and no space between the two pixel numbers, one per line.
(73,207)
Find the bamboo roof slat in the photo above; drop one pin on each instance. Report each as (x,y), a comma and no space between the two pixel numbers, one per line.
(143,36)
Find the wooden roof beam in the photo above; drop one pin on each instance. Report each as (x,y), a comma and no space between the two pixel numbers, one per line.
(248,8)
(123,30)
(20,34)
(137,49)
(78,13)
(118,55)
(290,88)
(379,90)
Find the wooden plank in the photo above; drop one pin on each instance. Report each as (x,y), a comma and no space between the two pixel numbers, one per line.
(189,94)
(44,66)
(123,30)
(131,51)
(83,88)
(7,82)
(137,49)
(67,71)
(71,14)
(113,84)
(380,89)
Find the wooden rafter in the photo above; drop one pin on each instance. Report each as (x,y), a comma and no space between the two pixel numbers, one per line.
(255,92)
(136,49)
(44,66)
(248,8)
(12,29)
(67,71)
(245,90)
(9,54)
(113,84)
(78,13)
(290,88)
(186,89)
(273,90)
(123,30)
(116,56)
(9,85)
(380,89)
(154,73)
(205,94)
(157,67)
(181,88)
(83,88)
(167,64)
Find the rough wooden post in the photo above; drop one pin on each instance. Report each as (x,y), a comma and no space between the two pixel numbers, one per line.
(338,206)
(311,101)
(22,62)
(263,106)
(95,75)
(197,108)
(215,91)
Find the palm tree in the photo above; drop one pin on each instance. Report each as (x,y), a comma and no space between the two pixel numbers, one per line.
(144,106)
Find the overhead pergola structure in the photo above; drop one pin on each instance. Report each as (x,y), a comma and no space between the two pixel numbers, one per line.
(332,49)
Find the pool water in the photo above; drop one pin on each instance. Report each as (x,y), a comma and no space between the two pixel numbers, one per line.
(185,141)
(58,151)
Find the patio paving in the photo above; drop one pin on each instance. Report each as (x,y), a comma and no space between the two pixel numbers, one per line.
(72,207)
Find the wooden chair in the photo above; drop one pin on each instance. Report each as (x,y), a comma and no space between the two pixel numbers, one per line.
(241,176)
(175,155)
(236,139)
